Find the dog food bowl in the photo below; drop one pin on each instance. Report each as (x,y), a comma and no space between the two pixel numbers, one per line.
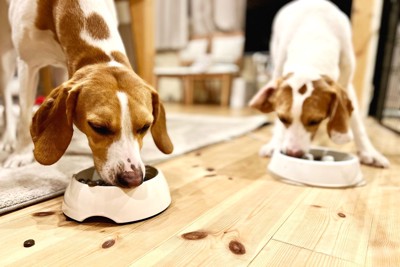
(121,205)
(340,169)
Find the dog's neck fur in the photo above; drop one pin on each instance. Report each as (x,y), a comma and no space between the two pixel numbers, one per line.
(85,30)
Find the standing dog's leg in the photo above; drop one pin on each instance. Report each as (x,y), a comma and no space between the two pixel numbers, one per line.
(7,71)
(28,77)
(366,151)
(8,60)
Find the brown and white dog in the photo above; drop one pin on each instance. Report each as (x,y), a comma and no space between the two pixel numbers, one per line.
(103,97)
(313,65)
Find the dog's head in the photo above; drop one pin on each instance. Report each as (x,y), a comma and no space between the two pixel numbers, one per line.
(301,104)
(115,109)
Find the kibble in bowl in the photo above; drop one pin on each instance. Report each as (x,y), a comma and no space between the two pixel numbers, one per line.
(87,195)
(322,167)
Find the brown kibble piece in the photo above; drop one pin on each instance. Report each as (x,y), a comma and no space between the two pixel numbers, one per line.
(29,243)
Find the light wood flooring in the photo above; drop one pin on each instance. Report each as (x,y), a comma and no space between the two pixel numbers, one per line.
(228,211)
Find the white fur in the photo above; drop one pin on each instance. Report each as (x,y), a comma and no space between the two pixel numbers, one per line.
(125,148)
(310,38)
(115,64)
(341,138)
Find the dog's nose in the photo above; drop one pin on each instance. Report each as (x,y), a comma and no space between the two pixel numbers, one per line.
(295,153)
(130,179)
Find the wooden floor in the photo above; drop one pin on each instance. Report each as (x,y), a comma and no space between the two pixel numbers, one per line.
(228,211)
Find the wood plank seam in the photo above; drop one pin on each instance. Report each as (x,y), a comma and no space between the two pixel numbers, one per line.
(316,252)
(277,229)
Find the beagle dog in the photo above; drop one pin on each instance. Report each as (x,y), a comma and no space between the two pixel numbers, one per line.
(313,66)
(103,97)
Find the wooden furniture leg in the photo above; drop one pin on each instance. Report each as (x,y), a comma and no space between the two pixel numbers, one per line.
(142,21)
(188,90)
(226,81)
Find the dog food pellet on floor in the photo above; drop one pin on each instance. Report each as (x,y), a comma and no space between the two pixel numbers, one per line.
(29,243)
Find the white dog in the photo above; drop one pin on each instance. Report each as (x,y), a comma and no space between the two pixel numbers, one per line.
(313,66)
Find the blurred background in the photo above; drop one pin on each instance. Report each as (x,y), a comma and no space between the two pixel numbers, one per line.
(216,52)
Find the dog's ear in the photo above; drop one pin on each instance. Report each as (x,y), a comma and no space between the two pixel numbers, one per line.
(51,128)
(339,114)
(262,100)
(159,127)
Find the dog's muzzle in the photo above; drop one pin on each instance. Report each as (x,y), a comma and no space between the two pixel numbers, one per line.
(129,179)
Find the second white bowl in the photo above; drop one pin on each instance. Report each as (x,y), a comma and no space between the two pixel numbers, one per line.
(343,172)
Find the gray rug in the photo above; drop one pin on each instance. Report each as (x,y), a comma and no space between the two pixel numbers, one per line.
(34,183)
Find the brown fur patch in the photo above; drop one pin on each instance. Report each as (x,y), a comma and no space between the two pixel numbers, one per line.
(327,100)
(303,90)
(97,27)
(45,21)
(282,101)
(120,58)
(66,20)
(315,109)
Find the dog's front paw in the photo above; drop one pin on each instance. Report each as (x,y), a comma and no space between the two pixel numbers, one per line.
(267,150)
(19,159)
(373,158)
(7,144)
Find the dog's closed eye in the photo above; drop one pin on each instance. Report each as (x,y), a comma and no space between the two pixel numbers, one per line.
(314,122)
(144,129)
(285,120)
(99,128)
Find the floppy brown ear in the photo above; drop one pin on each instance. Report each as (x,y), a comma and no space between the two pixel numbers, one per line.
(159,127)
(51,128)
(262,100)
(339,115)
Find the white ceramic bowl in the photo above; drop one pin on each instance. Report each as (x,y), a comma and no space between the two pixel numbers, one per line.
(121,205)
(343,172)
